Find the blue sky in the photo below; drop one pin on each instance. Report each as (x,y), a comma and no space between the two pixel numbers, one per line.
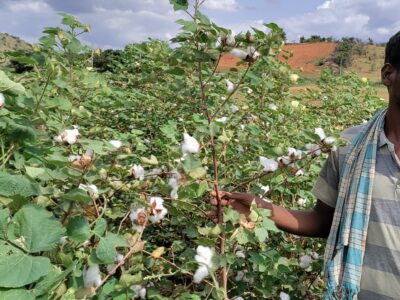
(118,22)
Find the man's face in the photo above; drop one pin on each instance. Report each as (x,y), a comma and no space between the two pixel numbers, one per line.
(391,79)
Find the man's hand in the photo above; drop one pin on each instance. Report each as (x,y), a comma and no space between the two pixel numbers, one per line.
(240,202)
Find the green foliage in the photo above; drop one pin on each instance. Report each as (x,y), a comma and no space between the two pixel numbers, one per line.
(67,205)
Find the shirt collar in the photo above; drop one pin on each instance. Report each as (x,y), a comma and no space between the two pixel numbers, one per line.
(383,140)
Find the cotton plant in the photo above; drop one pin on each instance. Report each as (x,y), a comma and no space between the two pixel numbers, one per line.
(204,259)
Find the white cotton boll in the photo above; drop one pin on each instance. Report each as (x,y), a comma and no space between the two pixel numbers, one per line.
(239,53)
(314,255)
(74,157)
(329,140)
(299,173)
(119,258)
(293,78)
(91,189)
(234,108)
(58,139)
(305,261)
(238,298)
(269,164)
(200,274)
(240,253)
(249,91)
(91,276)
(135,215)
(204,256)
(364,121)
(239,276)
(321,133)
(63,240)
(190,144)
(265,188)
(222,120)
(242,127)
(230,40)
(301,201)
(230,87)
(116,143)
(158,209)
(140,291)
(173,183)
(110,267)
(272,106)
(86,243)
(285,160)
(284,296)
(2,100)
(294,153)
(313,149)
(252,52)
(138,172)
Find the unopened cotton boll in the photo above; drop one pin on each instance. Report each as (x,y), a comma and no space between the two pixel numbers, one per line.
(2,100)
(91,277)
(138,172)
(239,53)
(284,296)
(200,274)
(269,165)
(305,261)
(116,143)
(321,133)
(230,87)
(222,120)
(190,144)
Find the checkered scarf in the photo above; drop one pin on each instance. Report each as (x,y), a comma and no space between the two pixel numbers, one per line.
(345,248)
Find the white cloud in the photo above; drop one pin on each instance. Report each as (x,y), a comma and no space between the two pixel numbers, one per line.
(27,6)
(377,19)
(225,5)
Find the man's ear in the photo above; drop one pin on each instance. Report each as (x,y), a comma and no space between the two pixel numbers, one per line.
(388,74)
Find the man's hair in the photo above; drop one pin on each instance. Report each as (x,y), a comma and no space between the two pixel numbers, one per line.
(392,51)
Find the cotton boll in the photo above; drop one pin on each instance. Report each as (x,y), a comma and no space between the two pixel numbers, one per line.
(234,108)
(238,298)
(305,261)
(74,157)
(63,240)
(284,296)
(299,173)
(138,217)
(293,78)
(240,253)
(314,255)
(116,143)
(239,53)
(2,100)
(301,201)
(204,256)
(295,103)
(230,87)
(242,127)
(265,188)
(158,211)
(173,183)
(329,140)
(321,133)
(140,291)
(200,274)
(91,277)
(313,149)
(239,276)
(222,120)
(111,267)
(249,91)
(190,144)
(91,189)
(284,160)
(138,172)
(294,153)
(272,106)
(269,164)
(253,53)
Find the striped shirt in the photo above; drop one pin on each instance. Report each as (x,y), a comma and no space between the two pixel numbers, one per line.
(380,278)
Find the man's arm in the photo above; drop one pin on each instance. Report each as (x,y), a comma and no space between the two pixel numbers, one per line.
(315,222)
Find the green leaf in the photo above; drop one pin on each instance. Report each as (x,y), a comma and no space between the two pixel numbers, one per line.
(149,161)
(36,228)
(117,240)
(7,85)
(16,294)
(105,251)
(100,227)
(198,173)
(34,172)
(78,229)
(50,282)
(16,185)
(19,269)
(191,162)
(179,4)
(4,215)
(77,195)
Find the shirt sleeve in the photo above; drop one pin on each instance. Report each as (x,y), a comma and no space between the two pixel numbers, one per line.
(326,186)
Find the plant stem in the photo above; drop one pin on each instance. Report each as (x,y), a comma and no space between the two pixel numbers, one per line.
(42,95)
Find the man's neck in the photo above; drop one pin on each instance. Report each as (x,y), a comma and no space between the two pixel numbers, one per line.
(392,123)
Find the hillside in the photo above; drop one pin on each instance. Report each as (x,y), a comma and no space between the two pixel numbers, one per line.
(12,43)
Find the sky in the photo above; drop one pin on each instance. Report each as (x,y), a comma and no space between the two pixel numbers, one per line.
(116,23)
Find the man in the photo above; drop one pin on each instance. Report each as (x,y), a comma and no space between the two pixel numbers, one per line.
(358,206)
